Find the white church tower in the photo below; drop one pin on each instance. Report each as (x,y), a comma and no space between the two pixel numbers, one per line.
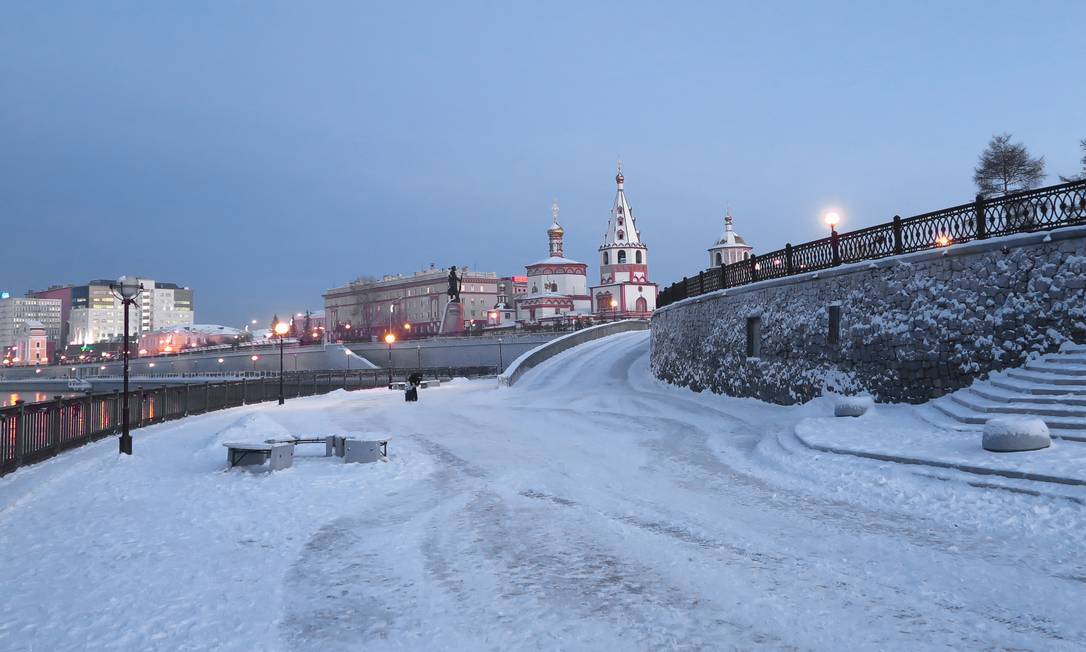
(624,289)
(730,248)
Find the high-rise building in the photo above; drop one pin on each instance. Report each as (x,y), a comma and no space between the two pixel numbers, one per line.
(96,315)
(16,311)
(624,289)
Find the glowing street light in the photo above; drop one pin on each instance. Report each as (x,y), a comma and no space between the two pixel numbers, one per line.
(614,309)
(832,219)
(254,359)
(389,339)
(281,329)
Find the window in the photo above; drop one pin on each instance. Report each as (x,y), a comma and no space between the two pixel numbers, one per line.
(606,258)
(637,257)
(621,257)
(754,337)
(621,235)
(834,336)
(719,259)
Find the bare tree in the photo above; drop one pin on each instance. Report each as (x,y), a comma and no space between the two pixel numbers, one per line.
(1006,167)
(1082,175)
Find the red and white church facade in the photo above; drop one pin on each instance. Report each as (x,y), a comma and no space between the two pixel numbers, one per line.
(624,289)
(557,286)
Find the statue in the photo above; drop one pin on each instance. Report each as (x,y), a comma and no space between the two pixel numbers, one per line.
(454,286)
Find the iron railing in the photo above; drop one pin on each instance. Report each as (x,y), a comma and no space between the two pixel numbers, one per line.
(33,432)
(1021,212)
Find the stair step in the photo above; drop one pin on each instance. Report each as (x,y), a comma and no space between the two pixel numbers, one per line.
(1047,379)
(959,413)
(1061,358)
(993,392)
(1035,389)
(1050,368)
(1024,409)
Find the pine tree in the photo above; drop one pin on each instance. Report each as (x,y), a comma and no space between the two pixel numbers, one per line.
(1006,167)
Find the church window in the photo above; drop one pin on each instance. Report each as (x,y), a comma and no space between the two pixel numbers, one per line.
(621,257)
(719,260)
(606,258)
(621,234)
(637,257)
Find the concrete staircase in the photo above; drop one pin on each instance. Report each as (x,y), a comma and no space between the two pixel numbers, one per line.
(1052,387)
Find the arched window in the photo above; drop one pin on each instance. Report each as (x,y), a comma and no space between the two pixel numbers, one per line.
(746,255)
(606,258)
(621,257)
(719,259)
(637,257)
(621,235)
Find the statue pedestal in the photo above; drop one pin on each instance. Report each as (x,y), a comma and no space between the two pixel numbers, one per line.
(452,321)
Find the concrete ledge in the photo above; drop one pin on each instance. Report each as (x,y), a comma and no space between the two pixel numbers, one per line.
(967,468)
(530,359)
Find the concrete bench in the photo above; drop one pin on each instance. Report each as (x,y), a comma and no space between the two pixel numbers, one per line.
(329,443)
(277,456)
(359,450)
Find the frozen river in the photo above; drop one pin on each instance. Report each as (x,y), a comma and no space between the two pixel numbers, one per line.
(588,507)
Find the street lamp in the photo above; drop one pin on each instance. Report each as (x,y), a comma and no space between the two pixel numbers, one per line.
(346,352)
(614,309)
(254,359)
(127,288)
(389,339)
(501,363)
(281,329)
(832,219)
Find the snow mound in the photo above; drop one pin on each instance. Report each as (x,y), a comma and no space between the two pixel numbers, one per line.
(459,380)
(852,406)
(1013,434)
(251,428)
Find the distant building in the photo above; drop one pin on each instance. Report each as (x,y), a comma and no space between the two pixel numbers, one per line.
(97,315)
(16,311)
(730,247)
(372,307)
(32,346)
(63,293)
(624,289)
(557,286)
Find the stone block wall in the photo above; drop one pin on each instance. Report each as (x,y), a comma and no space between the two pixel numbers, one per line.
(912,327)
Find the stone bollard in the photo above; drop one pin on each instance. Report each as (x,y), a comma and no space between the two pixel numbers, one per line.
(852,406)
(1015,434)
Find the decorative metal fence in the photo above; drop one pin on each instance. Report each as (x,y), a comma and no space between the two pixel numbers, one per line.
(30,433)
(1022,212)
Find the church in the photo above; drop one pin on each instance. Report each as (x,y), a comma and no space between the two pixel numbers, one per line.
(730,247)
(624,290)
(557,286)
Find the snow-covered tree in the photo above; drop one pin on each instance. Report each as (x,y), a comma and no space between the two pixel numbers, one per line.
(1006,167)
(1081,176)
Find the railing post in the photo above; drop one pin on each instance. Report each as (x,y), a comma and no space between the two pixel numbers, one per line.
(899,245)
(20,432)
(244,391)
(115,421)
(753,268)
(207,397)
(723,276)
(185,402)
(982,219)
(835,246)
(686,293)
(701,282)
(788,258)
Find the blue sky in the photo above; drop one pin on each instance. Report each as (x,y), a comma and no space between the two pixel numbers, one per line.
(264,152)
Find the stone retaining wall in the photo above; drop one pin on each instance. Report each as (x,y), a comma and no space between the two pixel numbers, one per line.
(911,327)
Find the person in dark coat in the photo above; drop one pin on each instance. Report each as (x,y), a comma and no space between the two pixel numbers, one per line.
(411,387)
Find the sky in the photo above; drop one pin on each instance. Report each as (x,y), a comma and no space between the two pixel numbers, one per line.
(263,152)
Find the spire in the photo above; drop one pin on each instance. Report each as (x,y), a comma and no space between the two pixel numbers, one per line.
(728,219)
(618,177)
(622,227)
(555,233)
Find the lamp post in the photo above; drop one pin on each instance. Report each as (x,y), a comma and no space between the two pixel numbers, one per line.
(389,339)
(832,219)
(281,329)
(126,289)
(501,363)
(347,352)
(254,359)
(614,309)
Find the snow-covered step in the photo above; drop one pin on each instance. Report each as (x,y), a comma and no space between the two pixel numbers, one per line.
(964,418)
(1066,412)
(1038,389)
(1057,368)
(1047,378)
(995,392)
(958,412)
(1060,358)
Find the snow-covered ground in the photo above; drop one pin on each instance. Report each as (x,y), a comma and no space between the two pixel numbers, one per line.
(587,507)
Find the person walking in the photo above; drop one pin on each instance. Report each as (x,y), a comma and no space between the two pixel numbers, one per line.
(411,388)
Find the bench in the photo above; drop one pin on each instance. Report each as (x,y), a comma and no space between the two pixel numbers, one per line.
(278,456)
(329,443)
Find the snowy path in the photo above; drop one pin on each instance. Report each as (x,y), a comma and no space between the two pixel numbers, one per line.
(586,507)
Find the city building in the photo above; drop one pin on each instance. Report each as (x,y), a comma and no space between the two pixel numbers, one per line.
(97,315)
(730,247)
(624,289)
(510,288)
(368,308)
(32,345)
(557,286)
(64,294)
(15,311)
